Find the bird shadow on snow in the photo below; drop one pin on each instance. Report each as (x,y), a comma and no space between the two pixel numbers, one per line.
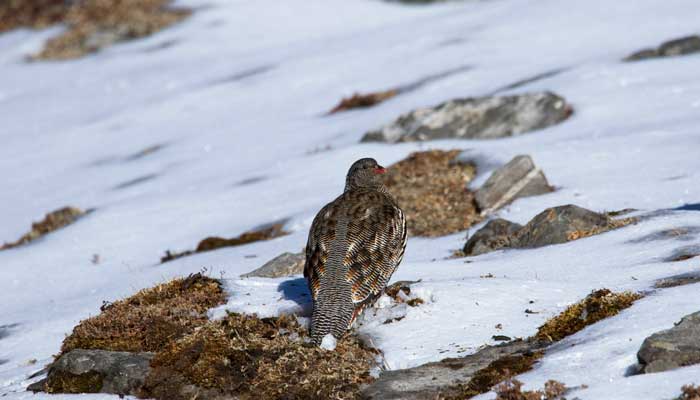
(297,291)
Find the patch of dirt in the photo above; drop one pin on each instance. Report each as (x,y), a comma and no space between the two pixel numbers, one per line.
(358,100)
(511,389)
(213,243)
(431,188)
(498,371)
(253,358)
(151,318)
(91,24)
(52,221)
(596,306)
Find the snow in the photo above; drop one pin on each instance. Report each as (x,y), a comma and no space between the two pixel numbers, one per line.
(328,342)
(236,103)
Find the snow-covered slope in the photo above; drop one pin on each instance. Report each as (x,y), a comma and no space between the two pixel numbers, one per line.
(235,99)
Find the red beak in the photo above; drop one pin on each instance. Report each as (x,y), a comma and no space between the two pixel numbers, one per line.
(380,170)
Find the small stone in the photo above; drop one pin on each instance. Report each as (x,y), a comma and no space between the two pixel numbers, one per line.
(676,47)
(286,264)
(673,348)
(494,235)
(519,178)
(476,118)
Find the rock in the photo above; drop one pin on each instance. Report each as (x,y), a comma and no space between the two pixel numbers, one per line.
(678,280)
(551,226)
(286,264)
(444,378)
(476,118)
(495,235)
(672,348)
(518,178)
(677,47)
(96,371)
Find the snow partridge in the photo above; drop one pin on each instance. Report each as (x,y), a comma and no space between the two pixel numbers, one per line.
(355,244)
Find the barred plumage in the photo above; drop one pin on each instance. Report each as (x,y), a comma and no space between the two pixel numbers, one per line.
(355,244)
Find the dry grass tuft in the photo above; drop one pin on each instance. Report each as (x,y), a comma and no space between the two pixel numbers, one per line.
(511,389)
(596,306)
(53,221)
(498,371)
(213,243)
(611,225)
(690,392)
(251,358)
(431,188)
(151,318)
(358,100)
(91,24)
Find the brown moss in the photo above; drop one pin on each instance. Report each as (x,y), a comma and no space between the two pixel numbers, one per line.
(358,100)
(612,224)
(511,389)
(254,358)
(92,24)
(498,371)
(596,306)
(52,221)
(689,392)
(213,242)
(431,188)
(151,318)
(66,382)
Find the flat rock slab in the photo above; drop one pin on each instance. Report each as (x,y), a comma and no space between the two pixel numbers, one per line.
(96,371)
(286,264)
(429,381)
(676,47)
(688,278)
(552,226)
(672,348)
(476,118)
(518,178)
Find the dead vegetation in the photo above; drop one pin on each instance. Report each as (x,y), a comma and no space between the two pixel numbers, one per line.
(690,392)
(252,358)
(52,221)
(511,389)
(213,243)
(149,319)
(611,225)
(596,306)
(431,188)
(358,100)
(498,371)
(91,24)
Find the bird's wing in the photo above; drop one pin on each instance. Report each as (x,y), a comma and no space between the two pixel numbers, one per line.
(321,235)
(376,238)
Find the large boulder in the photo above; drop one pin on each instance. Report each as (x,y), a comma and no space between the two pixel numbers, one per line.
(676,47)
(496,234)
(672,348)
(476,118)
(518,178)
(551,226)
(286,264)
(96,371)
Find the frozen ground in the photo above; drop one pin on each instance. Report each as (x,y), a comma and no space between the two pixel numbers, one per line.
(234,99)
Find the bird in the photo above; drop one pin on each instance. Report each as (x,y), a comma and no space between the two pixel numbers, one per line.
(355,244)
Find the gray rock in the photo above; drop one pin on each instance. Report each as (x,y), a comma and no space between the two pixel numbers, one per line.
(672,348)
(496,234)
(677,47)
(432,380)
(96,371)
(688,278)
(286,264)
(476,118)
(561,224)
(518,178)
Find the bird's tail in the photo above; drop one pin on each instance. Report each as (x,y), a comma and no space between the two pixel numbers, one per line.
(332,314)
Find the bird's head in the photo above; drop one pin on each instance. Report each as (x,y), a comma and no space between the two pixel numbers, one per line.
(365,173)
